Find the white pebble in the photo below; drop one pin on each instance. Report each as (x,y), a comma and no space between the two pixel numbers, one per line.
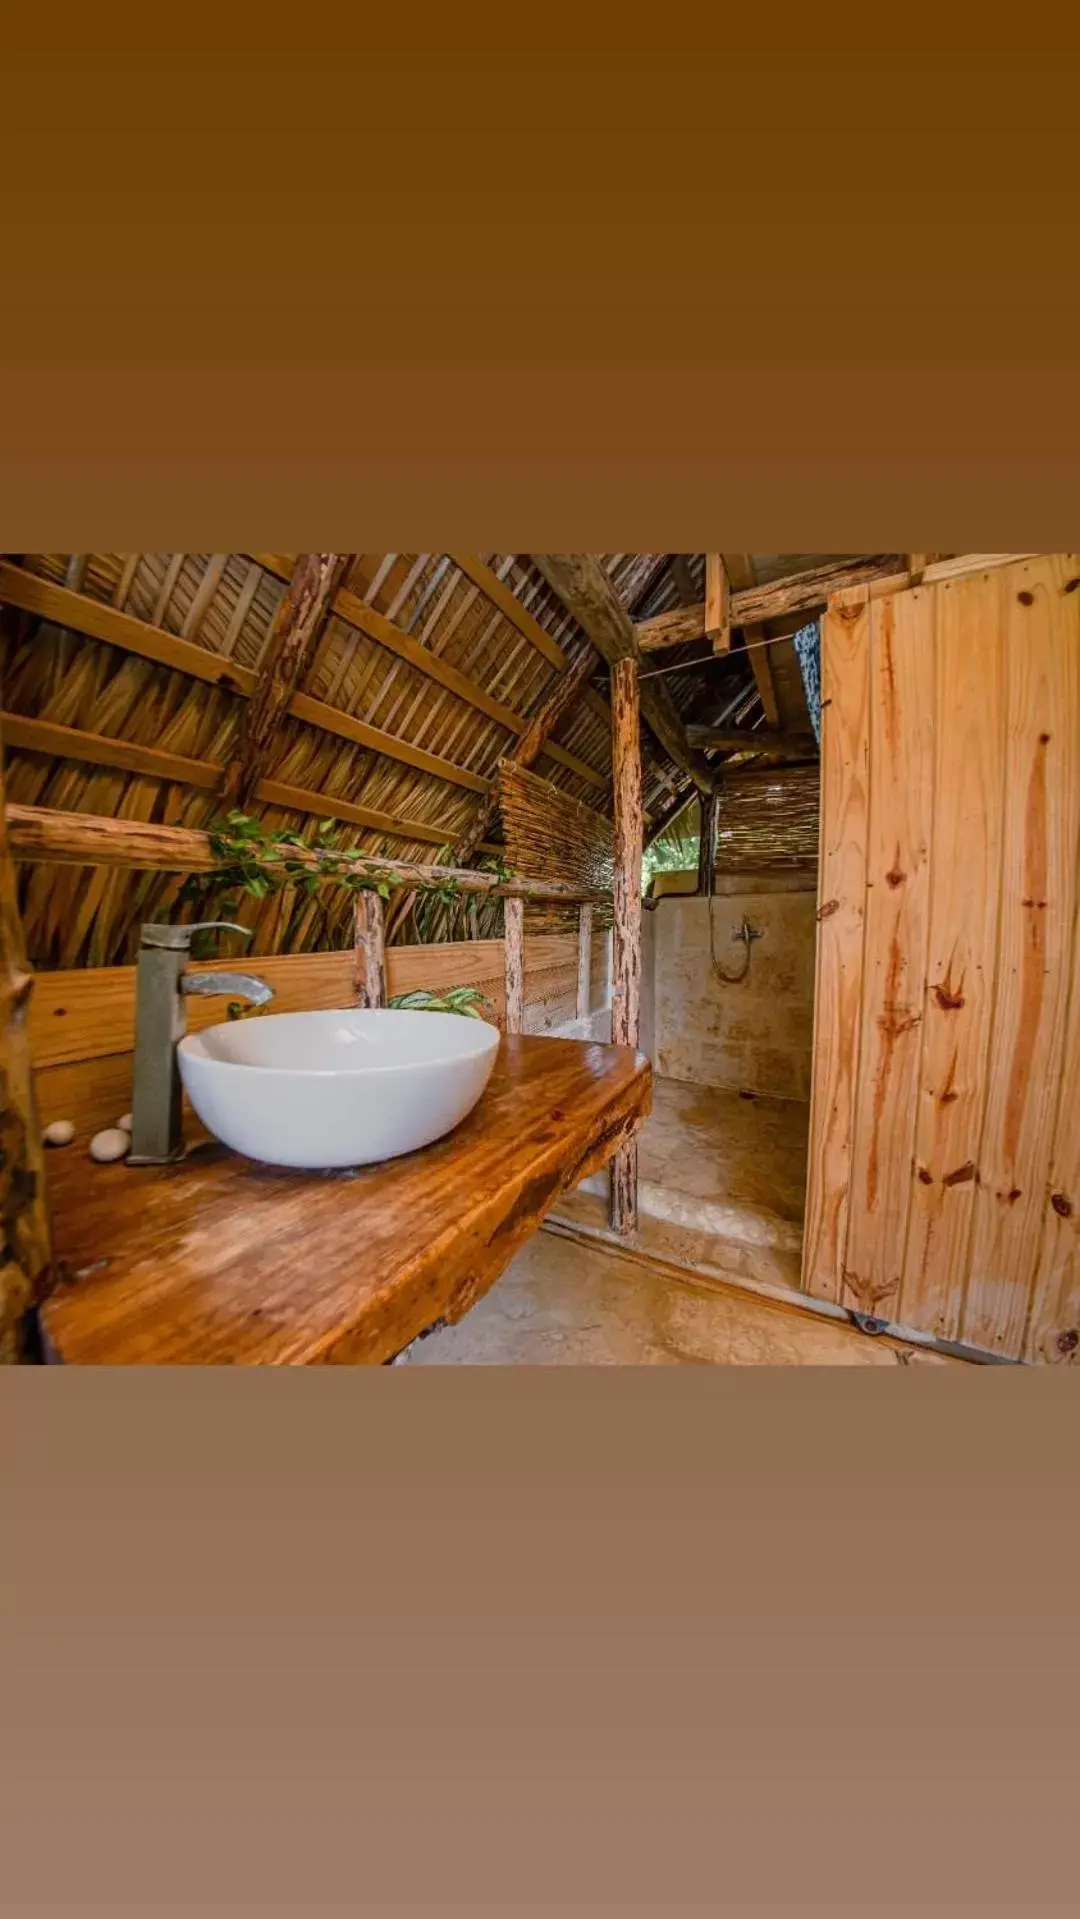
(60,1133)
(113,1143)
(125,1123)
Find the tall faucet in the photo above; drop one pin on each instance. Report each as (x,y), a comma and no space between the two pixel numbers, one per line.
(162,985)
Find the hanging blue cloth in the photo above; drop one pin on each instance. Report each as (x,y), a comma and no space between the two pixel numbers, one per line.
(807,642)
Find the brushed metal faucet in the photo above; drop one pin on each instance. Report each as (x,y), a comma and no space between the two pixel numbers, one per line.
(162,985)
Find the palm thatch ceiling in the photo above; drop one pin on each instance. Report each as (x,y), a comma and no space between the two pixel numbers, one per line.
(123,691)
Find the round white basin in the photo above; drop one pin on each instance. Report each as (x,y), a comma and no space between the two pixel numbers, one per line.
(336,1089)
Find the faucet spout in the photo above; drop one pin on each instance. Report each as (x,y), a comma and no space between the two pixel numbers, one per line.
(163,985)
(240,985)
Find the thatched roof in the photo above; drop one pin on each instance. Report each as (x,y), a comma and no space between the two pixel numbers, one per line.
(426,673)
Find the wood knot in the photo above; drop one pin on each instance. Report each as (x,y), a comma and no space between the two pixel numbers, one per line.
(1044,739)
(830,907)
(962,1174)
(926,1177)
(948,1002)
(1071,585)
(1061,1205)
(1068,1341)
(1025,598)
(894,877)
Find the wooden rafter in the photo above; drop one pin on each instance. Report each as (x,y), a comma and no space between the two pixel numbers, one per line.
(287,653)
(99,749)
(510,606)
(735,739)
(740,572)
(107,623)
(348,606)
(587,593)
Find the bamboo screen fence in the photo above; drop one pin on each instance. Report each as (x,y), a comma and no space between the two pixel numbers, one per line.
(548,835)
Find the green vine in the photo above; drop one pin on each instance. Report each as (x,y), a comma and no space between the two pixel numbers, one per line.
(251,860)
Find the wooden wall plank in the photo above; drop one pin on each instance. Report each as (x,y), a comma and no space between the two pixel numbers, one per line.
(901,699)
(845,774)
(967,829)
(90,1011)
(1038,896)
(82,1023)
(1053,1334)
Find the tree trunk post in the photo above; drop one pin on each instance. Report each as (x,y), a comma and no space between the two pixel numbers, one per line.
(626,945)
(370,978)
(515,965)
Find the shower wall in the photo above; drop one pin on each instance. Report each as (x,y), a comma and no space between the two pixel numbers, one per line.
(755,1036)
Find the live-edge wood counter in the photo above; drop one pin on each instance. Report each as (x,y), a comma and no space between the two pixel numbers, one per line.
(221,1261)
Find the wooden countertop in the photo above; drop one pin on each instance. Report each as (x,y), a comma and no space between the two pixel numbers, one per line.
(221,1261)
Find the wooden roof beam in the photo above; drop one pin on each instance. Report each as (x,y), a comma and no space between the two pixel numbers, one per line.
(587,593)
(286,655)
(802,593)
(740,572)
(735,739)
(100,622)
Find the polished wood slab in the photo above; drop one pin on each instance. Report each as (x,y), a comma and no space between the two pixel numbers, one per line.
(221,1261)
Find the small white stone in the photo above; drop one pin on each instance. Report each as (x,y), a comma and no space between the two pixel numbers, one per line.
(125,1123)
(113,1143)
(60,1133)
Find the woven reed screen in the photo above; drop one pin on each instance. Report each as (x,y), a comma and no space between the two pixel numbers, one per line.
(768,822)
(552,837)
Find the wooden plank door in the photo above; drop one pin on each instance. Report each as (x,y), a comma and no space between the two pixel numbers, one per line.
(944,1179)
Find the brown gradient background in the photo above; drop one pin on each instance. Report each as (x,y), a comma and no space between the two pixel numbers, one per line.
(656,1642)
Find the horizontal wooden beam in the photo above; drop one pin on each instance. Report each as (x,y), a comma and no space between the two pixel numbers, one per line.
(348,606)
(801,593)
(87,839)
(331,720)
(737,739)
(510,607)
(98,622)
(327,806)
(83,615)
(97,749)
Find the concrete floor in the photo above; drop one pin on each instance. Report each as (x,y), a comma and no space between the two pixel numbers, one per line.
(723,1179)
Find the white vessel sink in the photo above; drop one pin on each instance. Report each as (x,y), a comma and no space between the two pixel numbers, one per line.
(336,1089)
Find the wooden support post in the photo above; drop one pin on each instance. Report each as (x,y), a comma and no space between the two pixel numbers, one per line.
(515,965)
(370,950)
(287,653)
(717,603)
(584,961)
(24,1219)
(626,958)
(706,871)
